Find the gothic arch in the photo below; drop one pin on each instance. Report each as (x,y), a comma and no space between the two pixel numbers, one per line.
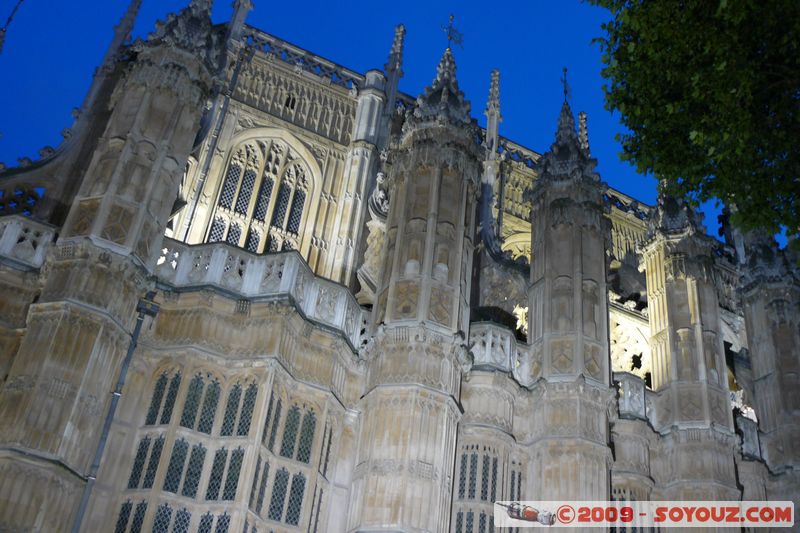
(314,180)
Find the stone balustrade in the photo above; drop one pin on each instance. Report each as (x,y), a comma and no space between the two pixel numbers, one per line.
(24,242)
(263,277)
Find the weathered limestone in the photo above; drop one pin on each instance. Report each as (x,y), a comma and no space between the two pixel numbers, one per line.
(420,320)
(689,371)
(568,324)
(340,345)
(58,385)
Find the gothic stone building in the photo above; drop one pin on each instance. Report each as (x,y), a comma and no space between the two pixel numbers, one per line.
(302,300)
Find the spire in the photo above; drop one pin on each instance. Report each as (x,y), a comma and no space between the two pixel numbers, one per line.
(493,103)
(122,32)
(241,8)
(673,214)
(567,159)
(8,23)
(443,101)
(493,117)
(395,61)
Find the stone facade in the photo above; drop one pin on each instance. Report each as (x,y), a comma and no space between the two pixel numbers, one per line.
(306,301)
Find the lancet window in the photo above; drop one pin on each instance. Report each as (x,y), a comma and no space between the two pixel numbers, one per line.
(263,198)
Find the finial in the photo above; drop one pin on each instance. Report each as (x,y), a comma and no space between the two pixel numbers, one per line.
(565,84)
(396,53)
(8,22)
(453,35)
(236,25)
(494,92)
(583,132)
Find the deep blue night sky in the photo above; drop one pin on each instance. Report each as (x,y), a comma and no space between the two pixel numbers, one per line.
(53,46)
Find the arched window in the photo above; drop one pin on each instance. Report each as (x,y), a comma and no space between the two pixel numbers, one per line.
(162,519)
(263,196)
(200,394)
(306,437)
(278,495)
(163,400)
(232,481)
(182,519)
(295,499)
(194,470)
(175,470)
(290,432)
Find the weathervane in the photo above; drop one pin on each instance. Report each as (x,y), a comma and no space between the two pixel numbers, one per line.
(453,35)
(565,84)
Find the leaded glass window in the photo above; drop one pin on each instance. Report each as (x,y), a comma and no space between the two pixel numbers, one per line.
(519,485)
(152,465)
(155,401)
(124,516)
(462,477)
(217,230)
(281,206)
(267,419)
(230,184)
(209,407)
(256,472)
(223,523)
(246,191)
(182,519)
(162,519)
(470,522)
(138,463)
(251,243)
(175,470)
(273,245)
(295,499)
(274,430)
(232,481)
(194,470)
(278,495)
(205,523)
(247,410)
(192,404)
(460,522)
(282,172)
(482,523)
(172,394)
(262,202)
(306,437)
(290,431)
(234,233)
(262,488)
(296,213)
(485,478)
(494,480)
(327,453)
(473,474)
(217,470)
(230,410)
(138,517)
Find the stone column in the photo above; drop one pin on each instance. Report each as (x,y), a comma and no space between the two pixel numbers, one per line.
(568,324)
(58,389)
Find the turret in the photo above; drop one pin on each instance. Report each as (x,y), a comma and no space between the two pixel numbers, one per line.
(568,323)
(80,328)
(416,356)
(689,371)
